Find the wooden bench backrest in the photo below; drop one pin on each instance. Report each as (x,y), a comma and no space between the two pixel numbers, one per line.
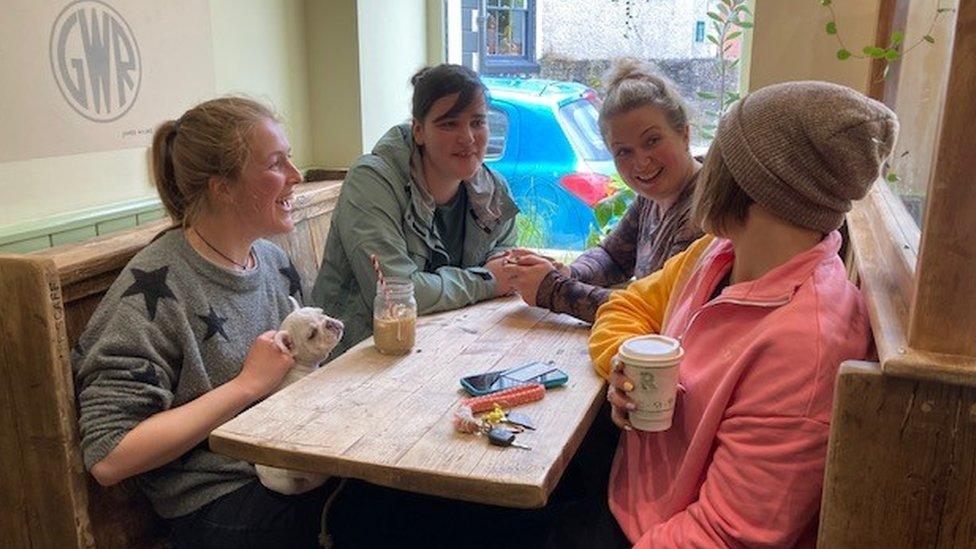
(47,499)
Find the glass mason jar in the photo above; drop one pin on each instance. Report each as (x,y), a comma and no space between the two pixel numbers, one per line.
(395,317)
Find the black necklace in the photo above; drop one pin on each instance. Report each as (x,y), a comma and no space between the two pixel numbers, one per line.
(221,254)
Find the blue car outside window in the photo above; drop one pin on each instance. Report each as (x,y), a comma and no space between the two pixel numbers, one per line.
(583,124)
(497,134)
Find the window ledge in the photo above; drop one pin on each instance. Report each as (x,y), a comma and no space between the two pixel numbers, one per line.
(885,241)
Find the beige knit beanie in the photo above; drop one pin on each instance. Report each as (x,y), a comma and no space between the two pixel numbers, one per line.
(805,150)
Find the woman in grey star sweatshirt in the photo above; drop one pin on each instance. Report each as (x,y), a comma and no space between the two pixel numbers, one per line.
(182,341)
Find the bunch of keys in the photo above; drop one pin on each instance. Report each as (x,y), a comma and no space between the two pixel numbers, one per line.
(503,437)
(516,419)
(465,422)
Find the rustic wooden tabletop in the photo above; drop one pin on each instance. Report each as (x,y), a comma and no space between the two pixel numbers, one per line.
(387,419)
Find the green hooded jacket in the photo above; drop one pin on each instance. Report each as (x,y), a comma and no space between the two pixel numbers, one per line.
(382,210)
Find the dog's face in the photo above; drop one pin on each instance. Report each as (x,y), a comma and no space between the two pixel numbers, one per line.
(309,335)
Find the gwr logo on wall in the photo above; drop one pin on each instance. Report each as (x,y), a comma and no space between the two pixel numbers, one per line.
(95,59)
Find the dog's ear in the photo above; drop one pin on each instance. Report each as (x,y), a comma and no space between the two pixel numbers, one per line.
(284,342)
(294,303)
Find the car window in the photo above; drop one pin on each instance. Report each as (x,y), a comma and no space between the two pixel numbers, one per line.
(581,120)
(497,133)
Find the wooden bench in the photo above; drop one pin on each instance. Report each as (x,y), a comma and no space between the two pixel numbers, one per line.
(47,499)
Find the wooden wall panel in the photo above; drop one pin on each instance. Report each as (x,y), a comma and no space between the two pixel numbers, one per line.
(901,469)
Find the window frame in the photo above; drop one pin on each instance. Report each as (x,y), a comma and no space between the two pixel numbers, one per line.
(496,64)
(917,283)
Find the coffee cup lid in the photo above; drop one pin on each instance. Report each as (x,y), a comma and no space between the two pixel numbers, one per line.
(652,347)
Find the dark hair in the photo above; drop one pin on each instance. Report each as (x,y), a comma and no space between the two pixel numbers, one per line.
(719,202)
(210,139)
(632,83)
(433,83)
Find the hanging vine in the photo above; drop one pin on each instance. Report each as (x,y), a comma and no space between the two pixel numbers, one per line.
(893,51)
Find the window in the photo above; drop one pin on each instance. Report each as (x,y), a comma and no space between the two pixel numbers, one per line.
(543,60)
(914,88)
(497,134)
(509,37)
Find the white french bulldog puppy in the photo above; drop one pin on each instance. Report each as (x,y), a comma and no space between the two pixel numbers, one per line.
(308,335)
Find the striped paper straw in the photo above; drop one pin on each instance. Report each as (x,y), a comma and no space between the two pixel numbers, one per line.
(381,280)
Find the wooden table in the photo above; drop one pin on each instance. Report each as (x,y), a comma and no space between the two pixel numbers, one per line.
(387,420)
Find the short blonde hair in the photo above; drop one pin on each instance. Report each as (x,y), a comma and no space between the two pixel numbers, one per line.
(719,202)
(210,139)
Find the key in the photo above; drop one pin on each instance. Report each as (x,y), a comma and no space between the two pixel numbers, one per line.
(504,437)
(519,420)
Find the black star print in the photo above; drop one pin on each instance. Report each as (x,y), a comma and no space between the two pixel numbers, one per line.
(146,374)
(294,281)
(152,285)
(215,324)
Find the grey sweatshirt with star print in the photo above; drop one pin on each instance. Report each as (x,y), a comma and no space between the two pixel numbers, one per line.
(172,327)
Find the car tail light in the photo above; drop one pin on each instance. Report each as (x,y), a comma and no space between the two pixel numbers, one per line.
(588,187)
(593,98)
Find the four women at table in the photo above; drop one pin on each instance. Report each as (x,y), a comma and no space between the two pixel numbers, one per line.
(763,308)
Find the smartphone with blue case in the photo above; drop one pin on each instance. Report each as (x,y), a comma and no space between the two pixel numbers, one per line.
(533,372)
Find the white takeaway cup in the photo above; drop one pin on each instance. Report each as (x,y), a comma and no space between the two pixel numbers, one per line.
(651,363)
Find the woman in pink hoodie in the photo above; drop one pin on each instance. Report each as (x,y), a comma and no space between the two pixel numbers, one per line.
(765,315)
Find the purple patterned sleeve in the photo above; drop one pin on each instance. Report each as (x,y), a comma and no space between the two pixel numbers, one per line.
(566,295)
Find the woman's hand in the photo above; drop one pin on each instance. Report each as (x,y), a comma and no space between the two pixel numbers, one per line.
(516,254)
(527,274)
(503,279)
(265,366)
(620,404)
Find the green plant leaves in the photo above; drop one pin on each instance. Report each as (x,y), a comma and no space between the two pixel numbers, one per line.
(928,38)
(874,52)
(831,27)
(742,24)
(892,177)
(715,16)
(897,38)
(707,95)
(843,54)
(825,2)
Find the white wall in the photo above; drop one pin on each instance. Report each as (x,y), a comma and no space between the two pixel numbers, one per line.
(258,49)
(595,29)
(392,47)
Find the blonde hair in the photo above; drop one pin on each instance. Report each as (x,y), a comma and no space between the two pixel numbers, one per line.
(632,83)
(718,202)
(209,140)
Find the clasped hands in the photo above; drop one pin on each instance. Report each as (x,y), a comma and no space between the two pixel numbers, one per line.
(521,271)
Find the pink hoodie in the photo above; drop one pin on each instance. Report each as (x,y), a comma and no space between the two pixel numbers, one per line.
(743,463)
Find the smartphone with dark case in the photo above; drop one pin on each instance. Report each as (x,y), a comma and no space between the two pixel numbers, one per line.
(534,372)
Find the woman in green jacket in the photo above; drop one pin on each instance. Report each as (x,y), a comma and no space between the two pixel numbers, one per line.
(424,203)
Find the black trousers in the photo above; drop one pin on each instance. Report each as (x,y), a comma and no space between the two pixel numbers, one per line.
(577,515)
(253,517)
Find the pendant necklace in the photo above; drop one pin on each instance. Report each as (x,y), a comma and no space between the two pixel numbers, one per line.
(240,266)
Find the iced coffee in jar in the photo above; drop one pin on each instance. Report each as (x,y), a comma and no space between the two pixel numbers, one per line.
(394,317)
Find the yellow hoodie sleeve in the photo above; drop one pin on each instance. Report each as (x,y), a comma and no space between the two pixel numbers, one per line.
(638,309)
